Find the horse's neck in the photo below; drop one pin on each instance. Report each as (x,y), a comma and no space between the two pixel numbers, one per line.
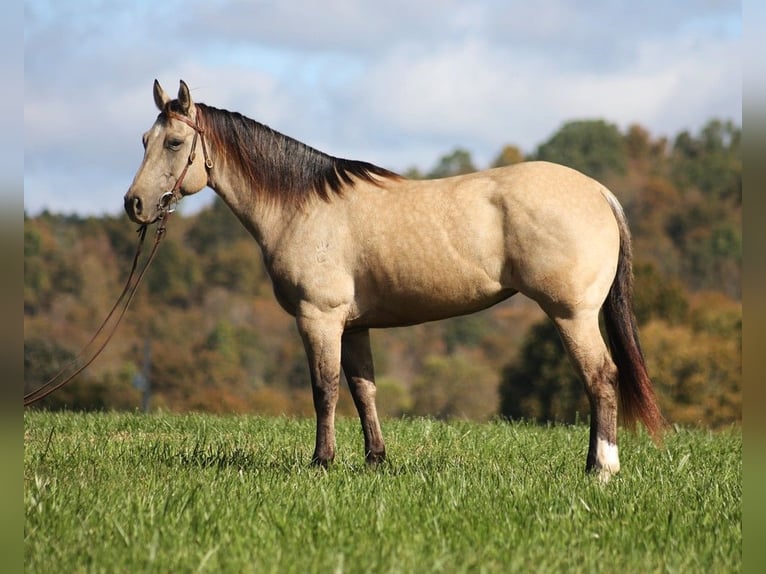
(264,220)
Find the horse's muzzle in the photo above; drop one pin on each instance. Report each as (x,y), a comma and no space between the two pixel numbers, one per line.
(138,211)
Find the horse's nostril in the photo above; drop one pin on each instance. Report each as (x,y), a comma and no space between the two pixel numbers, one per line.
(133,206)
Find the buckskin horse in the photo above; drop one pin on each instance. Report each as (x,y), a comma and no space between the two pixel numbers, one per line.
(351,246)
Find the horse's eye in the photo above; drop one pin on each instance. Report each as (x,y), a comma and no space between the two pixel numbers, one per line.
(174,144)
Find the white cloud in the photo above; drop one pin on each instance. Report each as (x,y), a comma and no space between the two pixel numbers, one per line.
(481,95)
(398,83)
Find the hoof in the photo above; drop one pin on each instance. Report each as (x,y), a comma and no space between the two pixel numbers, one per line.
(604,462)
(320,462)
(375,458)
(603,475)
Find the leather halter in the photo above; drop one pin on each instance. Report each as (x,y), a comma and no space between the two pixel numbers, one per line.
(171,197)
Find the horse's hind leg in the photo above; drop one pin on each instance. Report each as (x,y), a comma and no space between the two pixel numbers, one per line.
(586,348)
(356,359)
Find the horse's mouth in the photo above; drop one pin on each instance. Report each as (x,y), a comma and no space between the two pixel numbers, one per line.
(146,213)
(139,212)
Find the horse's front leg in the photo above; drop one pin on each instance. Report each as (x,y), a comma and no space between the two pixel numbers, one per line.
(356,358)
(321,334)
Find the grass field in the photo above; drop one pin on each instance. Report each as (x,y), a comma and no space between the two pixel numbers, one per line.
(199,493)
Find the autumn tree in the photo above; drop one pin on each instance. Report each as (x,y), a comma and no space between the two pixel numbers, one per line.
(464,331)
(697,374)
(509,155)
(541,384)
(176,274)
(455,387)
(647,154)
(217,229)
(594,147)
(458,162)
(657,296)
(711,161)
(48,270)
(45,359)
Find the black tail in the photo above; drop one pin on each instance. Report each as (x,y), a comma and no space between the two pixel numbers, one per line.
(637,397)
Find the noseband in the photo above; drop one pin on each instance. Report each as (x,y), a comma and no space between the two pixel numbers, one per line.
(170,198)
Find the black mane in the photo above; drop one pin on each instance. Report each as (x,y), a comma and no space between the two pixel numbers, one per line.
(279,166)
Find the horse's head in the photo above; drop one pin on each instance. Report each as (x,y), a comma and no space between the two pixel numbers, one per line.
(171,167)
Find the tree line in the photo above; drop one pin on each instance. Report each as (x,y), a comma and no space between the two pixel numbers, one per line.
(220,343)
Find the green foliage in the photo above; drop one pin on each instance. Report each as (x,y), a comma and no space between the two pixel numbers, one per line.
(509,155)
(47,272)
(201,493)
(455,387)
(466,332)
(697,375)
(223,341)
(706,224)
(711,161)
(541,384)
(122,237)
(413,172)
(37,283)
(711,247)
(43,359)
(594,147)
(176,274)
(658,296)
(458,162)
(236,266)
(216,231)
(393,397)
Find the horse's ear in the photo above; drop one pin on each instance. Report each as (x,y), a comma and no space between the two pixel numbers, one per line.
(184,98)
(160,97)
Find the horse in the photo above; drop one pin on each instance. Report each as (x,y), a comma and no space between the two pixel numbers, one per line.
(351,246)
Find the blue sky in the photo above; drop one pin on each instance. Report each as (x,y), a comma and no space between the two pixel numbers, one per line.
(398,83)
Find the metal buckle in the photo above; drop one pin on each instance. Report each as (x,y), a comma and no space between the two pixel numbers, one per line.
(167,202)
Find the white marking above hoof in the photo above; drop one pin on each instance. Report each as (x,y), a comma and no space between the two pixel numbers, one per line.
(607,460)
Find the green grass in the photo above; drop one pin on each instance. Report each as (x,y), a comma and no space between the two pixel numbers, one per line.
(199,493)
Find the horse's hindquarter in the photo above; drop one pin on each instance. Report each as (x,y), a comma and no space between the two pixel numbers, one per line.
(562,237)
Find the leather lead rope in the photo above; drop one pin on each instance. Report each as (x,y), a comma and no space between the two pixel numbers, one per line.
(125,298)
(166,204)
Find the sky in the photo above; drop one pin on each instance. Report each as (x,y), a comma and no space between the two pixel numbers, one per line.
(398,83)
